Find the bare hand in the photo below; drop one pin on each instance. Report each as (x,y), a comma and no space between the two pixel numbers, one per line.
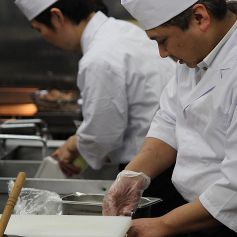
(66,154)
(68,151)
(69,169)
(147,227)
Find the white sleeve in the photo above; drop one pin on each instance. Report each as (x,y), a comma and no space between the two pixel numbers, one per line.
(220,199)
(164,122)
(104,113)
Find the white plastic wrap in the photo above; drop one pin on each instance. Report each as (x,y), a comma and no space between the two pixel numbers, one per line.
(37,202)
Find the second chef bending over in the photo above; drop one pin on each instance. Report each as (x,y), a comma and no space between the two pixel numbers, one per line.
(120,77)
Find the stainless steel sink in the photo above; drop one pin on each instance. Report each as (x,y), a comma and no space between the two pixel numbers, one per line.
(33,153)
(10,168)
(18,147)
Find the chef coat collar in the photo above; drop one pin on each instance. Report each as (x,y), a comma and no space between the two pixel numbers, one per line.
(92,27)
(211,56)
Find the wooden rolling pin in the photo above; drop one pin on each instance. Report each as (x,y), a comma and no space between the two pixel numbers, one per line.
(13,196)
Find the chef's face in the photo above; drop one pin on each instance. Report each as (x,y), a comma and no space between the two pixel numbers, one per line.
(188,46)
(178,44)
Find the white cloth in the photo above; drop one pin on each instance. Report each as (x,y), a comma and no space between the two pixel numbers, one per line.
(121,76)
(200,121)
(153,13)
(32,8)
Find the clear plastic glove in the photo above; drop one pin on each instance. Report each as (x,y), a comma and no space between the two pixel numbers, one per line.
(124,194)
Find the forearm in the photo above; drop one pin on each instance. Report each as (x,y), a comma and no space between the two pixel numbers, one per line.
(154,157)
(188,218)
(71,144)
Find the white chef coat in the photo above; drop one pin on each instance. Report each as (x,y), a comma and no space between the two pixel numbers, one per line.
(121,76)
(200,122)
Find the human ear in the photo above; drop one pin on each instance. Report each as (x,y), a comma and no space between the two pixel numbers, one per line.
(57,18)
(201,16)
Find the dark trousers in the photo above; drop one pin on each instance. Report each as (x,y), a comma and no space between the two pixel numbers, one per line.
(163,188)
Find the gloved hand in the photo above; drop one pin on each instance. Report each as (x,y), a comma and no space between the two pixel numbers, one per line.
(124,194)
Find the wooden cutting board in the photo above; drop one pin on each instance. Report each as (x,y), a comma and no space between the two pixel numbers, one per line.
(68,226)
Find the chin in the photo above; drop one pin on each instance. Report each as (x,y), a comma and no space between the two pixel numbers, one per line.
(190,65)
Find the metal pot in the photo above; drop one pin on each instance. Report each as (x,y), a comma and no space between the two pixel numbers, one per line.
(91,204)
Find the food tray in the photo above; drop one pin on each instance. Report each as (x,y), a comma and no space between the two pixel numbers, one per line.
(56,100)
(86,204)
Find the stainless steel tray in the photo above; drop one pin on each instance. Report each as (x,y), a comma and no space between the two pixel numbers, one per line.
(85,204)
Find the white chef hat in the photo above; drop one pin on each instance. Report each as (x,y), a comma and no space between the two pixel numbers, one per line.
(153,13)
(32,8)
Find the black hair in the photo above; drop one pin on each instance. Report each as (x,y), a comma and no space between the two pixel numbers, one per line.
(74,10)
(218,8)
(232,6)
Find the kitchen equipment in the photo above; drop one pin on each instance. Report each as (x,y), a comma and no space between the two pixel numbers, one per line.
(42,140)
(13,196)
(49,168)
(68,226)
(25,127)
(60,186)
(12,236)
(9,168)
(56,100)
(91,204)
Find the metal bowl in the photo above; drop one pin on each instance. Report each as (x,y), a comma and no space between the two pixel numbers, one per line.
(91,204)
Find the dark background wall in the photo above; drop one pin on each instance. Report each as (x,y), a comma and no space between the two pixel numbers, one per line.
(28,61)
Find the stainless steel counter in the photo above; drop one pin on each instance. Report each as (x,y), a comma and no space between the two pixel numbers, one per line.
(62,187)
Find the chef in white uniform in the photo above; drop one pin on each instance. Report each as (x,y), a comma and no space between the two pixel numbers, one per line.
(120,77)
(196,125)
